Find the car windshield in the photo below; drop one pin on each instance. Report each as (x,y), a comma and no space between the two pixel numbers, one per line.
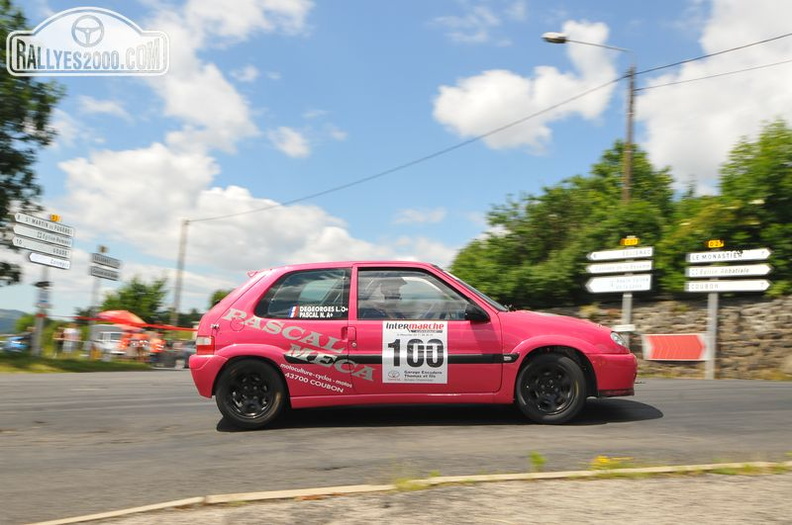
(490,301)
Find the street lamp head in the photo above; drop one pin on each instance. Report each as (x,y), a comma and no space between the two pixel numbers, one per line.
(555,38)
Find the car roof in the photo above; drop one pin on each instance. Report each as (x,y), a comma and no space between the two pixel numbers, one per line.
(349,264)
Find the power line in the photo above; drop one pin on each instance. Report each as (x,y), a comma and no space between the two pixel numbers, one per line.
(702,57)
(716,75)
(478,138)
(419,160)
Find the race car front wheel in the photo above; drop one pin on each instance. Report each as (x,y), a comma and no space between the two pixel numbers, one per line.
(551,389)
(250,393)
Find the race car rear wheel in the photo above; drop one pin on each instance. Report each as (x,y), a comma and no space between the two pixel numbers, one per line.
(551,389)
(250,393)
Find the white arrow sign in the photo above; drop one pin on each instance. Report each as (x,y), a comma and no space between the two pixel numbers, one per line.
(728,271)
(104,273)
(627,253)
(55,227)
(104,260)
(41,235)
(620,267)
(49,261)
(622,283)
(759,254)
(746,285)
(36,246)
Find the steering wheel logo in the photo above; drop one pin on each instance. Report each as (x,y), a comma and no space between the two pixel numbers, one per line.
(87,30)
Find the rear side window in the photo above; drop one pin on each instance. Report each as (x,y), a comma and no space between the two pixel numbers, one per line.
(309,294)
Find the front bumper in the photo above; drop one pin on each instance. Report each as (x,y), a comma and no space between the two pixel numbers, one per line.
(616,374)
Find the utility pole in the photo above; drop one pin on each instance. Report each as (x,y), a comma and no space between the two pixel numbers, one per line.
(179,273)
(628,141)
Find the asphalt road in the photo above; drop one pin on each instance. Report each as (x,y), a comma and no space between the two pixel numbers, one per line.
(74,444)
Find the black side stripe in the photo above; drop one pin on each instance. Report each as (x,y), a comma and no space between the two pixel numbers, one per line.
(453,359)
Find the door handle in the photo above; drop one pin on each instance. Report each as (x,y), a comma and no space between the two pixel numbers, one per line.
(350,334)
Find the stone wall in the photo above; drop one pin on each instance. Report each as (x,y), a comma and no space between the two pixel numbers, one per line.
(754,333)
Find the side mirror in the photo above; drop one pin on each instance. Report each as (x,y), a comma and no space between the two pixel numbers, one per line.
(476,314)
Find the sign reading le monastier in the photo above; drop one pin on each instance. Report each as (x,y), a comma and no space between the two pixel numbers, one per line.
(759,254)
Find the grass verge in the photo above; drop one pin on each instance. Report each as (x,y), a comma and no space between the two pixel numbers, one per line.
(28,364)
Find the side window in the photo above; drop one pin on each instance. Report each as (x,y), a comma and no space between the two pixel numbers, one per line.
(407,294)
(311,294)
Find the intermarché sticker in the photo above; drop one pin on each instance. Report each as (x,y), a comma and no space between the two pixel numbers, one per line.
(415,352)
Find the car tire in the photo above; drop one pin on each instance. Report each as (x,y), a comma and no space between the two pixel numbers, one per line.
(250,394)
(551,389)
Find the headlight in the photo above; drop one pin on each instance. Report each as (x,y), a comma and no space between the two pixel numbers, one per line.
(618,339)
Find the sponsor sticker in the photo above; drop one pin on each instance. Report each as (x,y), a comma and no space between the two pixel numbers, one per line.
(415,352)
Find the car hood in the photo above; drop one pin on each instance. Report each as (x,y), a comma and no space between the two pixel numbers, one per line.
(540,322)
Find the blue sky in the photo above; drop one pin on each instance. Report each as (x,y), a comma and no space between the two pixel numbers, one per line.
(267,102)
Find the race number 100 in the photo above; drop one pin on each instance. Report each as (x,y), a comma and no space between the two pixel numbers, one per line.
(414,352)
(417,353)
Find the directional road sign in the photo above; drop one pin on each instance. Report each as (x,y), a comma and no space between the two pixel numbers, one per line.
(759,254)
(620,283)
(728,271)
(104,260)
(104,273)
(54,227)
(42,235)
(40,258)
(38,246)
(620,267)
(627,253)
(745,285)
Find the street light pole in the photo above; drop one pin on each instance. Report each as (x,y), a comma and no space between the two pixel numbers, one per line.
(627,155)
(179,273)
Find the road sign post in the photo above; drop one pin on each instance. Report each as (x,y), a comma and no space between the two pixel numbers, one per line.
(713,286)
(50,244)
(103,267)
(626,281)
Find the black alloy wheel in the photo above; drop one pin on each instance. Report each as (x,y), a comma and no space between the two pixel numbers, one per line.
(551,389)
(250,393)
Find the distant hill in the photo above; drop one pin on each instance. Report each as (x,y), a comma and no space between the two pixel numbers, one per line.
(8,319)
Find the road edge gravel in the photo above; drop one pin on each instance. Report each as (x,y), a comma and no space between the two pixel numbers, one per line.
(764,467)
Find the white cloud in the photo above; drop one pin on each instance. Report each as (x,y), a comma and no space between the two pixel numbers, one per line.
(248,16)
(191,82)
(336,133)
(127,199)
(67,129)
(129,195)
(693,126)
(290,142)
(94,106)
(482,103)
(246,74)
(479,21)
(420,216)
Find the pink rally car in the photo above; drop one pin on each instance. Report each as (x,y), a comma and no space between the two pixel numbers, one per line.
(362,333)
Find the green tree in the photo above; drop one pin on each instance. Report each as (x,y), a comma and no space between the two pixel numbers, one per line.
(756,189)
(25,110)
(218,296)
(144,300)
(535,253)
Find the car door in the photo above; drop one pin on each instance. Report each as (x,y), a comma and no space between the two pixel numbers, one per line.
(305,314)
(410,331)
